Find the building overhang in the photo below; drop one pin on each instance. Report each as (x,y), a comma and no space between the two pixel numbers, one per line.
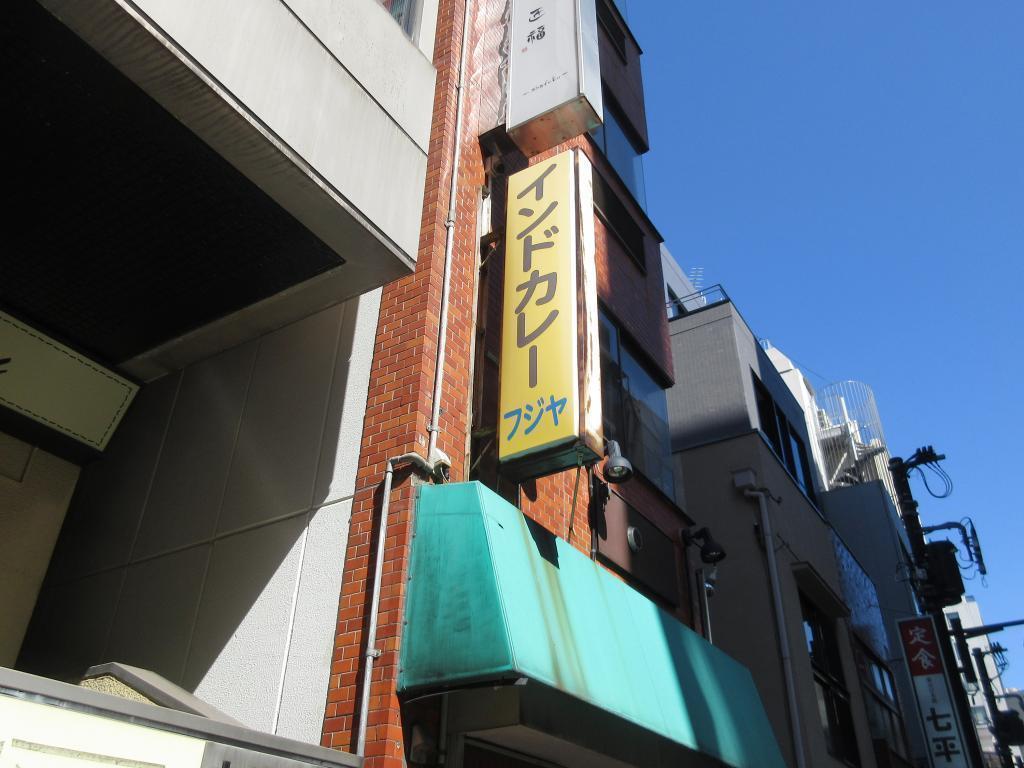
(46,722)
(159,218)
(494,600)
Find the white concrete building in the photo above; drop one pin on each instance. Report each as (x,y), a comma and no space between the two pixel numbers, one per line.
(211,195)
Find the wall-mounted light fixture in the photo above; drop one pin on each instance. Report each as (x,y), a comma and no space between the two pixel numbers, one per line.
(617,468)
(711,554)
(711,551)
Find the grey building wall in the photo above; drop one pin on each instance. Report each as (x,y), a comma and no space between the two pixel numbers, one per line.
(714,422)
(870,526)
(35,490)
(742,613)
(715,355)
(709,400)
(208,543)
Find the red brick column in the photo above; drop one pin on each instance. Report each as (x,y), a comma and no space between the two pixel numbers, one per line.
(397,416)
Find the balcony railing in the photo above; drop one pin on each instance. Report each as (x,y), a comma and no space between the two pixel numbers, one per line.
(695,302)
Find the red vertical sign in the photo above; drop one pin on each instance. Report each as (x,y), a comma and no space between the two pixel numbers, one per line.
(923,653)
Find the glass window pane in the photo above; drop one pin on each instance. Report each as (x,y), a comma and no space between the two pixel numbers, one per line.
(404,12)
(635,409)
(645,421)
(823,713)
(766,415)
(621,153)
(796,456)
(611,381)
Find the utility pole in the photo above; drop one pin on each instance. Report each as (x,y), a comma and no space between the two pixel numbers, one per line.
(900,471)
(1006,726)
(1002,750)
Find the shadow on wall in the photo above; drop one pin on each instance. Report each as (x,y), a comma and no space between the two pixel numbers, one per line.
(208,542)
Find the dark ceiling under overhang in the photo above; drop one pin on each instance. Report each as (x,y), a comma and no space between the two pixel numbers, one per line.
(122,229)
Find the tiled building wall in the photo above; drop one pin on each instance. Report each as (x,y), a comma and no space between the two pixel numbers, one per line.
(204,544)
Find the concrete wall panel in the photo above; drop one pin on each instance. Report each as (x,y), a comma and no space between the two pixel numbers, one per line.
(190,478)
(371,46)
(155,611)
(241,634)
(336,475)
(304,687)
(71,625)
(289,66)
(274,463)
(238,474)
(35,490)
(104,513)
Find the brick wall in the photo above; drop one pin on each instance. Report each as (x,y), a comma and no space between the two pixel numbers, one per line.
(397,417)
(623,80)
(402,377)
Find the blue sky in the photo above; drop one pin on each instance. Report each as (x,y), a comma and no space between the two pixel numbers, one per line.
(853,174)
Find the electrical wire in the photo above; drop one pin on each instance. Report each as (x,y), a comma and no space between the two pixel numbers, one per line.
(947,481)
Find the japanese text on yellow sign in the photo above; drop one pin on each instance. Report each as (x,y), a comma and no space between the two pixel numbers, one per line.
(539,379)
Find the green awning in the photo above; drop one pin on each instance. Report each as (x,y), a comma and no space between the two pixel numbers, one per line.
(493,597)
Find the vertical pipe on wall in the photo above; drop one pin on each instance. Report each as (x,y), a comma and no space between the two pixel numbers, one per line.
(449,246)
(762,495)
(434,458)
(372,652)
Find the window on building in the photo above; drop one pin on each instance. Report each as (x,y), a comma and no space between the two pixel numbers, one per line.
(883,709)
(800,468)
(829,683)
(405,12)
(634,407)
(783,438)
(619,220)
(621,150)
(766,417)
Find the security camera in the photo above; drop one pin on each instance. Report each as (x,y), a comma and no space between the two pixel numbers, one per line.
(710,580)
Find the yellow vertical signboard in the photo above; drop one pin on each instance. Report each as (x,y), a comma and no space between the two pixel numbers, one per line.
(539,399)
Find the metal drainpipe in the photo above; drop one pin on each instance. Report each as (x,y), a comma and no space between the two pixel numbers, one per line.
(449,246)
(762,495)
(372,652)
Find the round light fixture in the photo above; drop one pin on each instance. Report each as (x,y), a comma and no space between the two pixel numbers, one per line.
(617,468)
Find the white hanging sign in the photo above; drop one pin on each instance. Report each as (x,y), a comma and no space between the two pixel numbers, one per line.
(554,82)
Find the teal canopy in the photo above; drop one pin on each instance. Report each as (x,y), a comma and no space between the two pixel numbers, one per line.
(493,597)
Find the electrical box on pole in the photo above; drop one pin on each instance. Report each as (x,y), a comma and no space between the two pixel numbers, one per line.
(944,586)
(1009,727)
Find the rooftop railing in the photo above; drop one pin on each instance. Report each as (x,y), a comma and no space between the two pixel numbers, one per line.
(695,302)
